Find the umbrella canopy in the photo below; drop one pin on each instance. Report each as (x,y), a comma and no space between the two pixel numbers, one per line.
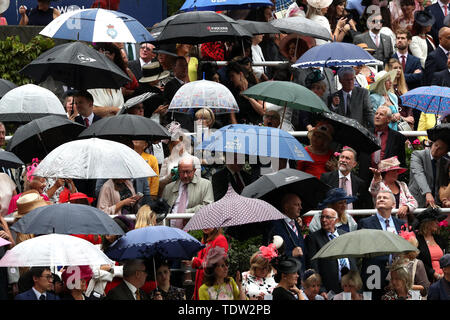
(200,26)
(271,188)
(4,242)
(364,243)
(40,136)
(256,141)
(94,159)
(203,94)
(214,5)
(288,94)
(133,101)
(351,133)
(440,131)
(54,250)
(9,160)
(233,210)
(126,125)
(67,218)
(76,65)
(29,102)
(302,26)
(258,27)
(97,25)
(430,99)
(335,54)
(168,242)
(5,86)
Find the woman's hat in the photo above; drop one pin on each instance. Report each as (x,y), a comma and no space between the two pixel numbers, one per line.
(284,264)
(323,128)
(320,4)
(315,76)
(27,202)
(391,164)
(85,272)
(153,72)
(430,214)
(423,18)
(303,45)
(380,79)
(336,195)
(78,196)
(365,47)
(214,255)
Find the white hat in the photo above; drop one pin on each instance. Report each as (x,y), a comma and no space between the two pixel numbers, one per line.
(320,4)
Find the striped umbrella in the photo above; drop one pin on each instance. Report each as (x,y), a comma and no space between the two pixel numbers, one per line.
(97,25)
(233,210)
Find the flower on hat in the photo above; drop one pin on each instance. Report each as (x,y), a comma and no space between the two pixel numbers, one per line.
(405,234)
(443,223)
(417,141)
(268,252)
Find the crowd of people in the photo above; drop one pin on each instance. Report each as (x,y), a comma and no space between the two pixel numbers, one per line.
(411,38)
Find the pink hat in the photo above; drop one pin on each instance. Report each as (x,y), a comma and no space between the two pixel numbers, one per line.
(85,272)
(214,255)
(390,164)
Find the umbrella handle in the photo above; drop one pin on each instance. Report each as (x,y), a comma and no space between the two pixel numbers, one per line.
(282,117)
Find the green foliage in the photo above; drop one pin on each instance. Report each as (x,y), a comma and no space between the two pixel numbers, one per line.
(240,252)
(14,55)
(173,6)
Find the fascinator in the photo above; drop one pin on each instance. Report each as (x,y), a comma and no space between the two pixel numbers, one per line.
(31,168)
(268,252)
(213,256)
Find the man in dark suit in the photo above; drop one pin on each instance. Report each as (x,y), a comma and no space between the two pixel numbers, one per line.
(352,102)
(437,60)
(84,103)
(412,68)
(439,289)
(329,269)
(439,10)
(134,276)
(338,179)
(42,284)
(146,55)
(381,43)
(373,270)
(289,229)
(442,78)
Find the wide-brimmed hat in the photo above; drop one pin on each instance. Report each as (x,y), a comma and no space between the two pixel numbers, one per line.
(430,214)
(380,79)
(284,264)
(365,47)
(214,255)
(424,18)
(134,101)
(390,164)
(323,128)
(304,44)
(78,196)
(27,202)
(152,72)
(336,195)
(320,4)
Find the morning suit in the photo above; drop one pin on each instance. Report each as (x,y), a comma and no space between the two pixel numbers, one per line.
(441,78)
(359,188)
(136,68)
(30,295)
(327,268)
(413,80)
(437,290)
(200,193)
(123,292)
(438,14)
(421,176)
(79,119)
(436,61)
(223,177)
(383,52)
(360,107)
(424,253)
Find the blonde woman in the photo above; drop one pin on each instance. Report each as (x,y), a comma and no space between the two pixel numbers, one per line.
(350,282)
(311,282)
(400,284)
(316,12)
(145,217)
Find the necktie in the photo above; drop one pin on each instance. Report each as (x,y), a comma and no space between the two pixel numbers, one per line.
(342,261)
(178,223)
(294,228)
(138,295)
(86,121)
(387,223)
(42,297)
(130,52)
(403,62)
(239,182)
(376,40)
(377,154)
(347,108)
(445,10)
(345,184)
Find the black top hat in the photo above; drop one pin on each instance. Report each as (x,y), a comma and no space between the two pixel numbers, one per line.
(424,18)
(430,214)
(285,264)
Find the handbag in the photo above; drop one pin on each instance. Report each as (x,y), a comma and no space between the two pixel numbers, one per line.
(403,125)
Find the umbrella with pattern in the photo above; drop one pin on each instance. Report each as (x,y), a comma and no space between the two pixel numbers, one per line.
(430,99)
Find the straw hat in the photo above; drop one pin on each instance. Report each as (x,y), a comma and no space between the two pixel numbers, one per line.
(320,4)
(380,79)
(152,72)
(365,47)
(27,202)
(391,164)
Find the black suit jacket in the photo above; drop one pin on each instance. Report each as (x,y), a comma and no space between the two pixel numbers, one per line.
(222,178)
(425,256)
(436,61)
(359,188)
(441,78)
(135,67)
(79,119)
(122,292)
(327,268)
(413,80)
(439,17)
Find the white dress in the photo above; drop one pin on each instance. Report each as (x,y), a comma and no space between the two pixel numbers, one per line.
(323,21)
(257,56)
(419,48)
(255,286)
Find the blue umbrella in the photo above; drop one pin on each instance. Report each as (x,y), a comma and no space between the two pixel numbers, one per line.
(97,25)
(214,5)
(335,54)
(432,99)
(168,242)
(256,141)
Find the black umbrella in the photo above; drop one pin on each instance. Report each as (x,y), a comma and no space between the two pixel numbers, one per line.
(198,27)
(258,27)
(9,160)
(350,132)
(5,86)
(76,65)
(440,131)
(40,136)
(67,218)
(126,126)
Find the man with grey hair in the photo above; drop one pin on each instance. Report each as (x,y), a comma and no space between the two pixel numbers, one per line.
(352,102)
(134,277)
(188,193)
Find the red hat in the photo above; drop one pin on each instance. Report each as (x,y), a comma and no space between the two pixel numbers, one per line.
(67,197)
(85,272)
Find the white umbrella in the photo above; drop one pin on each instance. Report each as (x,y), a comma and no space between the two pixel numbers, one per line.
(302,26)
(29,102)
(94,159)
(54,250)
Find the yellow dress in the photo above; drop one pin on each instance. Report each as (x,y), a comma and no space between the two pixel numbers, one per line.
(153,182)
(426,121)
(192,69)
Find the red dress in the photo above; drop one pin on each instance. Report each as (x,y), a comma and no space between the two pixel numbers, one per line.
(317,167)
(220,241)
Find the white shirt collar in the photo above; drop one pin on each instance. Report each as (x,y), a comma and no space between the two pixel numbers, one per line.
(443,49)
(90,118)
(132,288)
(38,294)
(399,55)
(348,176)
(143,63)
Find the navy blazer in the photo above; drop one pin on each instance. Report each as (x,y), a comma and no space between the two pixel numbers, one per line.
(30,295)
(436,11)
(437,291)
(79,119)
(441,78)
(413,80)
(291,240)
(436,61)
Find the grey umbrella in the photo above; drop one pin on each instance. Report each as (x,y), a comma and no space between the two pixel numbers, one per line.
(67,218)
(258,27)
(301,26)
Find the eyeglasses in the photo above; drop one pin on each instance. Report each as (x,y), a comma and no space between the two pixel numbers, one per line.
(48,277)
(185,171)
(327,217)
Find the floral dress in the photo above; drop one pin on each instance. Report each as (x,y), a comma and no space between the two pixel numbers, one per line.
(392,295)
(256,287)
(224,291)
